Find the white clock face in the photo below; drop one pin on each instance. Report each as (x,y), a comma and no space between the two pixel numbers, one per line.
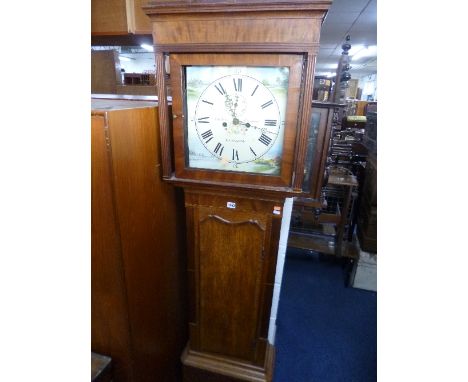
(236,118)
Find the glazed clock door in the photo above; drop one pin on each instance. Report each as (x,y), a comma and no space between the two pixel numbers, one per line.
(231,259)
(235,116)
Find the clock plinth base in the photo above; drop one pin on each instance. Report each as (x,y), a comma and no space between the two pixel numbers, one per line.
(203,367)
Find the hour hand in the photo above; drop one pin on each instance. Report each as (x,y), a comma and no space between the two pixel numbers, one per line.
(246,124)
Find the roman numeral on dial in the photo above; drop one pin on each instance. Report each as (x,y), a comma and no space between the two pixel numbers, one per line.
(219,149)
(253,152)
(235,154)
(266,104)
(265,139)
(220,88)
(270,122)
(207,135)
(203,120)
(208,102)
(237,84)
(256,87)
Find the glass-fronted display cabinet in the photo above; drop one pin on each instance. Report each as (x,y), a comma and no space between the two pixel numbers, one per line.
(325,118)
(321,224)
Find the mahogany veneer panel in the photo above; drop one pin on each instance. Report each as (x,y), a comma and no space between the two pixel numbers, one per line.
(265,28)
(110,328)
(150,227)
(149,244)
(142,21)
(230,270)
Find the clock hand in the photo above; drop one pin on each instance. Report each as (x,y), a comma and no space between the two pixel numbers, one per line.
(231,105)
(246,124)
(263,129)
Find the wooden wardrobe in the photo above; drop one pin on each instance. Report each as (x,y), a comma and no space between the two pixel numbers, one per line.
(138,246)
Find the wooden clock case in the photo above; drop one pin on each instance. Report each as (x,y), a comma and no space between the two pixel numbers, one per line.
(234,219)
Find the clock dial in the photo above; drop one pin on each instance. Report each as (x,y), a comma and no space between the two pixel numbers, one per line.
(236,122)
(233,120)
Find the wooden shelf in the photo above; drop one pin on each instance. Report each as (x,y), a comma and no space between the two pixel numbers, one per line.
(320,244)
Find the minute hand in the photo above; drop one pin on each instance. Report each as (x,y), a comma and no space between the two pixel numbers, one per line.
(263,129)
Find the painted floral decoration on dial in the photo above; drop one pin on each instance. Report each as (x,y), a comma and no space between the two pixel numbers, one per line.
(236,117)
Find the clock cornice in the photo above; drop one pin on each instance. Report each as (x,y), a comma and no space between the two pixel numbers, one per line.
(213,6)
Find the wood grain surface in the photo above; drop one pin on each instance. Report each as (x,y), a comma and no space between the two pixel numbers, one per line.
(138,250)
(263,28)
(110,327)
(280,28)
(174,7)
(230,270)
(231,267)
(151,228)
(109,17)
(232,252)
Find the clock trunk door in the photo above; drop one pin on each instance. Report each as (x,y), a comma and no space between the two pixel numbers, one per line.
(231,252)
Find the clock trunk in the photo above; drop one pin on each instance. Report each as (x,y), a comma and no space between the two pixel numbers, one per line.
(231,270)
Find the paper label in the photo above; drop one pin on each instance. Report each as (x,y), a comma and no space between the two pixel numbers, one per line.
(277,210)
(231,205)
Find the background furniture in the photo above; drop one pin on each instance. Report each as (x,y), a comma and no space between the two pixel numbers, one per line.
(118,17)
(105,72)
(325,119)
(348,199)
(139,78)
(101,368)
(324,227)
(107,78)
(364,274)
(367,217)
(322,88)
(342,74)
(138,251)
(346,148)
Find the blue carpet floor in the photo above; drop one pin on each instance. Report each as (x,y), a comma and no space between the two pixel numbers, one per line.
(326,332)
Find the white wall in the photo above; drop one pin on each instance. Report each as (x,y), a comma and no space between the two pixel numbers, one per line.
(283,243)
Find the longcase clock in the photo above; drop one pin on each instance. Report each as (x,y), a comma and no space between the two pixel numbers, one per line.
(236,139)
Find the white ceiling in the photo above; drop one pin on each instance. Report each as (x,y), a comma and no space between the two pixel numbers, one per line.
(357,18)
